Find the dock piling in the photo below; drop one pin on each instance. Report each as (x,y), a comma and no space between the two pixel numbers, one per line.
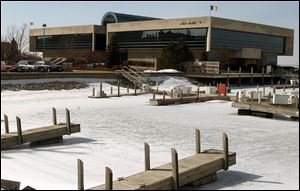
(134,88)
(181,96)
(108,179)
(100,89)
(127,89)
(80,175)
(198,91)
(198,141)
(147,156)
(118,88)
(259,98)
(153,95)
(6,124)
(225,151)
(172,92)
(19,129)
(54,117)
(111,90)
(93,91)
(175,169)
(237,97)
(157,86)
(164,96)
(68,121)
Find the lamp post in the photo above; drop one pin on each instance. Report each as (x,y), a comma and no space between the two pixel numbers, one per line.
(44,26)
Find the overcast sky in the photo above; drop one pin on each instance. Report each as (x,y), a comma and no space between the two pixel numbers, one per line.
(283,14)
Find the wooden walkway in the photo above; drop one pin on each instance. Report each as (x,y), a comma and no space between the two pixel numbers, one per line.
(267,108)
(190,169)
(42,135)
(191,99)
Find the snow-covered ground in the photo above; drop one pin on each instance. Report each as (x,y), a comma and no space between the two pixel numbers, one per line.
(114,130)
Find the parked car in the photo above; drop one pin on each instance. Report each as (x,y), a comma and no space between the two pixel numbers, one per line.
(54,67)
(41,66)
(24,66)
(6,65)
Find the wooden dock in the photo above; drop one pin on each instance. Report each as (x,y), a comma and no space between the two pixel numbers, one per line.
(190,99)
(195,170)
(42,135)
(265,107)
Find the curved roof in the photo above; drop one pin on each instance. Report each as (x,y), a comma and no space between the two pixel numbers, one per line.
(112,17)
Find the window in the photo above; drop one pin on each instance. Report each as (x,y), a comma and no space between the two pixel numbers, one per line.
(237,40)
(159,38)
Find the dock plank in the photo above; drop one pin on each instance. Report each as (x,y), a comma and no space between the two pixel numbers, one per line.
(190,169)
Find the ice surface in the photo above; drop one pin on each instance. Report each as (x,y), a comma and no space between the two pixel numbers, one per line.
(114,130)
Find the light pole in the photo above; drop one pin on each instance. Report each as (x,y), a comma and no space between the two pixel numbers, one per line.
(44,26)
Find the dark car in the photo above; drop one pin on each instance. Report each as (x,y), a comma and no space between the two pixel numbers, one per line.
(54,67)
(41,66)
(23,66)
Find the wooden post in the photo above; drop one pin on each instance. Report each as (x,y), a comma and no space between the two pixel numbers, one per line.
(188,92)
(228,69)
(264,91)
(252,96)
(127,89)
(54,118)
(100,89)
(93,91)
(262,80)
(225,151)
(251,75)
(147,156)
(274,90)
(111,90)
(181,96)
(198,89)
(164,96)
(198,141)
(68,121)
(118,89)
(284,88)
(269,96)
(80,175)
(6,124)
(172,92)
(240,79)
(237,97)
(153,96)
(157,86)
(134,88)
(19,129)
(227,79)
(108,179)
(175,169)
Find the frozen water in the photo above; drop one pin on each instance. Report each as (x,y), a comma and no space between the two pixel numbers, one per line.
(114,130)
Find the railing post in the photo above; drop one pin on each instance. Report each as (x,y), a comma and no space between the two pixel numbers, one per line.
(172,93)
(134,88)
(19,129)
(225,151)
(198,91)
(147,156)
(164,96)
(181,96)
(127,89)
(198,141)
(153,96)
(100,89)
(108,179)
(80,175)
(68,122)
(157,86)
(54,117)
(6,124)
(111,90)
(175,169)
(93,91)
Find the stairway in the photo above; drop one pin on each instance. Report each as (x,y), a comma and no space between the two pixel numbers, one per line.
(136,76)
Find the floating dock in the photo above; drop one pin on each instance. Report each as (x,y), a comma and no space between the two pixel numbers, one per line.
(42,135)
(195,170)
(190,99)
(247,108)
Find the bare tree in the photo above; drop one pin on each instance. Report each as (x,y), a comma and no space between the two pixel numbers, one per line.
(20,34)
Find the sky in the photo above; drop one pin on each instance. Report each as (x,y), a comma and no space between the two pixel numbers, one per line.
(66,13)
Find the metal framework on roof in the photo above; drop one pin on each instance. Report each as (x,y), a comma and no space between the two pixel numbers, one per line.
(112,17)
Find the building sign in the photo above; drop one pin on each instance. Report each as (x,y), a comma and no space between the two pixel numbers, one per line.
(190,22)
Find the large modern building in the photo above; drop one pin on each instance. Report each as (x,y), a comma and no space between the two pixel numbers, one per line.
(231,42)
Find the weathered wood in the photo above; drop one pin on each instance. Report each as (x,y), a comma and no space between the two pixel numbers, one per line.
(80,175)
(108,179)
(191,169)
(237,97)
(68,121)
(225,152)
(175,169)
(259,98)
(19,129)
(6,124)
(147,156)
(198,141)
(198,89)
(164,96)
(127,89)
(41,134)
(267,108)
(134,88)
(93,91)
(153,95)
(118,89)
(54,118)
(181,96)
(111,90)
(100,89)
(172,93)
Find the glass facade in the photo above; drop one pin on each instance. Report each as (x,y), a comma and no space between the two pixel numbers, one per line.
(160,38)
(64,42)
(235,40)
